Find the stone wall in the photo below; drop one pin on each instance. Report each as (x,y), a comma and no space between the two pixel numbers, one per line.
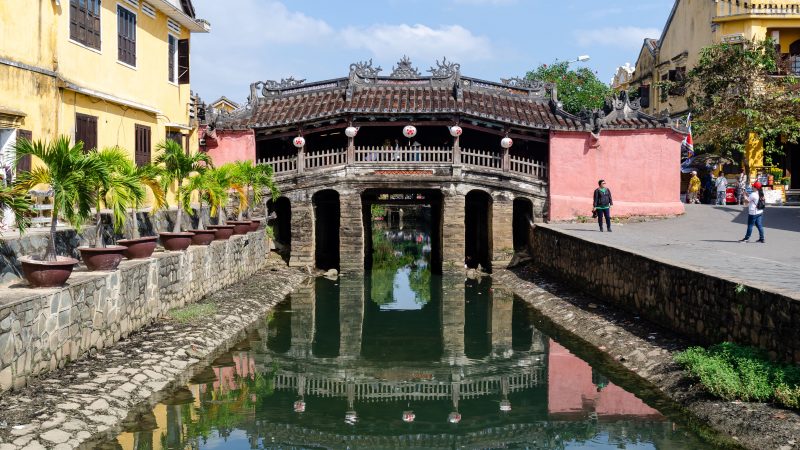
(702,307)
(44,329)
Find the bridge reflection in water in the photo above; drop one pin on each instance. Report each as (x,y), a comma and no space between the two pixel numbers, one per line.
(347,363)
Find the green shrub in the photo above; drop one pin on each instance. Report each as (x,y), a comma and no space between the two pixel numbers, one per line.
(192,313)
(733,372)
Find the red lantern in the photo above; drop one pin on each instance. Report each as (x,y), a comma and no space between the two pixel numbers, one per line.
(456,131)
(299,142)
(410,131)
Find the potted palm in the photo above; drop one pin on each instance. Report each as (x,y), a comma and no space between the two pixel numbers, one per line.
(70,174)
(138,246)
(207,190)
(14,200)
(255,179)
(118,190)
(225,178)
(178,166)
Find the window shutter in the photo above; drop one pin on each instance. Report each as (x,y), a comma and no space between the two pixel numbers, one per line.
(183,61)
(143,145)
(644,95)
(73,20)
(24,163)
(126,36)
(86,131)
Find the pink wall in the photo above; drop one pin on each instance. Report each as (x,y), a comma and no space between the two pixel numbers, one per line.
(571,393)
(641,167)
(230,146)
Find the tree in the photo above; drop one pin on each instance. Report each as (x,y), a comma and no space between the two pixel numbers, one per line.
(208,189)
(14,200)
(149,177)
(577,89)
(256,179)
(177,167)
(69,173)
(117,188)
(734,91)
(226,179)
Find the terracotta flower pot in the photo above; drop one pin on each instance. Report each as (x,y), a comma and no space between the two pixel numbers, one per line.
(255,224)
(202,237)
(221,232)
(240,227)
(44,274)
(107,258)
(176,241)
(141,248)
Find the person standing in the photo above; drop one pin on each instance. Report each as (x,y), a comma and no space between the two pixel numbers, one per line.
(603,204)
(694,188)
(741,187)
(755,213)
(721,184)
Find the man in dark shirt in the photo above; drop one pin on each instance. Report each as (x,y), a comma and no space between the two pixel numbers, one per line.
(602,205)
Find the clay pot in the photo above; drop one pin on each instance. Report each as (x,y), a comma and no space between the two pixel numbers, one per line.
(240,227)
(221,232)
(202,237)
(45,274)
(176,241)
(107,258)
(141,248)
(255,224)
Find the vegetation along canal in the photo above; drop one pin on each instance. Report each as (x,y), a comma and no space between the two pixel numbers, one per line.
(405,356)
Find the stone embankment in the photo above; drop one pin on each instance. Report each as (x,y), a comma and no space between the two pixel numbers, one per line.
(44,329)
(705,308)
(86,401)
(612,337)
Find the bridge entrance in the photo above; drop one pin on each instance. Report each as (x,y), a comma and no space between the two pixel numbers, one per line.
(478,230)
(327,214)
(281,224)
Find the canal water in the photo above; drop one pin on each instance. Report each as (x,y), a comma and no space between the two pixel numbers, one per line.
(403,357)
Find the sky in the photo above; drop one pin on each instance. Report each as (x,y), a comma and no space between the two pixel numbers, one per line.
(259,40)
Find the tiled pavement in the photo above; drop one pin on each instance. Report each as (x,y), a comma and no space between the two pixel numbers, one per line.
(706,239)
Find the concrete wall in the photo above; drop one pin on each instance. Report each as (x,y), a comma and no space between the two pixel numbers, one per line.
(230,146)
(43,329)
(640,167)
(704,308)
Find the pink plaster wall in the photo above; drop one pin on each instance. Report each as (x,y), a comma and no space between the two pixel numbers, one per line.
(230,146)
(641,167)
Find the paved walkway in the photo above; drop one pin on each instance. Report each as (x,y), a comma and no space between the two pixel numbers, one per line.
(706,239)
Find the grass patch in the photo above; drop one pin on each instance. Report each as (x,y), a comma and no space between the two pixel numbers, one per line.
(733,372)
(193,312)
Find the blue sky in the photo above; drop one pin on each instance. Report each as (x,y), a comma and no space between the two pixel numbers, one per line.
(254,40)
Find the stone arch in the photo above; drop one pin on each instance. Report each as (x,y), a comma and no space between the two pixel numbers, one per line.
(522,224)
(327,223)
(281,225)
(478,229)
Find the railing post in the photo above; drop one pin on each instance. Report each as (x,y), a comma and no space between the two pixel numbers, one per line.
(351,151)
(456,151)
(506,160)
(301,155)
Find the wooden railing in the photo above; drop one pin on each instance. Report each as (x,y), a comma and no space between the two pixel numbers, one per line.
(415,156)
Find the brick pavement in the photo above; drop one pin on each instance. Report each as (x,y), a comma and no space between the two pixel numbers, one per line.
(706,239)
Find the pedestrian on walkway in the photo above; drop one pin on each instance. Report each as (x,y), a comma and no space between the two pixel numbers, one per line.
(603,204)
(722,188)
(741,187)
(755,213)
(694,188)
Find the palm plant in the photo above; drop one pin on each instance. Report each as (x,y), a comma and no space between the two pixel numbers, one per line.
(118,190)
(149,177)
(226,179)
(255,179)
(70,174)
(178,166)
(14,199)
(208,189)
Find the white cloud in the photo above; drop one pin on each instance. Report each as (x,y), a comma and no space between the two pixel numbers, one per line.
(389,42)
(623,37)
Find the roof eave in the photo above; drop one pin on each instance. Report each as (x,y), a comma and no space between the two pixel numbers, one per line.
(175,13)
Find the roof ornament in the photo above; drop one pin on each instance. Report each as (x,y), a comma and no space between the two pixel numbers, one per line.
(445,69)
(285,83)
(405,69)
(364,69)
(523,83)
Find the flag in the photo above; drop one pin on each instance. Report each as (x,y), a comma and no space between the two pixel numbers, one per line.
(687,146)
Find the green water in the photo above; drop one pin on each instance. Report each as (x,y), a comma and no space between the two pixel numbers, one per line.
(403,358)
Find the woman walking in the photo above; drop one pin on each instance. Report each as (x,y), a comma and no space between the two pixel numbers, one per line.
(603,204)
(755,213)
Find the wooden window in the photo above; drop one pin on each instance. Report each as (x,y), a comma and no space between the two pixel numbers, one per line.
(183,61)
(84,22)
(126,36)
(176,136)
(86,131)
(24,163)
(677,76)
(173,58)
(143,145)
(644,95)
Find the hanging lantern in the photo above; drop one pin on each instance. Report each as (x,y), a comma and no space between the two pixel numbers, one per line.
(351,132)
(505,406)
(409,416)
(299,406)
(454,417)
(456,131)
(507,142)
(350,417)
(299,142)
(410,131)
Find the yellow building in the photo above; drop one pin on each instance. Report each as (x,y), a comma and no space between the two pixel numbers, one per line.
(108,73)
(224,104)
(694,24)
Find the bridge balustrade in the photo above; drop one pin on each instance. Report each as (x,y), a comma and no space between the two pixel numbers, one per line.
(412,156)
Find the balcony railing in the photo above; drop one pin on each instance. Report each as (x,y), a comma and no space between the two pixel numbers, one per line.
(727,8)
(409,157)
